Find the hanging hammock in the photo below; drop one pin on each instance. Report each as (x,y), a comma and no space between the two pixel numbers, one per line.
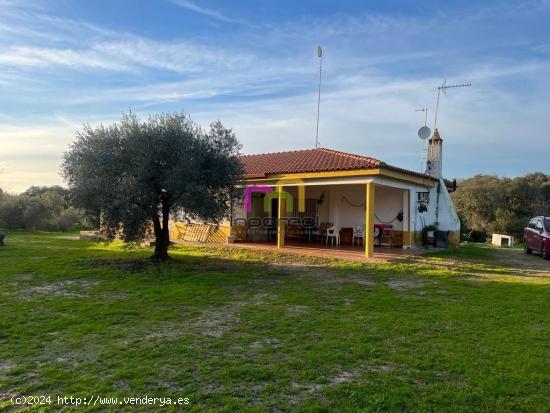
(398,217)
(347,201)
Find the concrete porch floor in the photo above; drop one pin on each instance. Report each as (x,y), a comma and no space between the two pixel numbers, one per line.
(381,254)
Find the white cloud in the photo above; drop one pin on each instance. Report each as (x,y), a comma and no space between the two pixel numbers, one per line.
(378,69)
(23,56)
(194,7)
(31,154)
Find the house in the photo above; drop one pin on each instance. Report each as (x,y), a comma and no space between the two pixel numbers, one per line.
(305,195)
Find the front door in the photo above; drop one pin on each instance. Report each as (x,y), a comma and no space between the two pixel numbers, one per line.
(275,208)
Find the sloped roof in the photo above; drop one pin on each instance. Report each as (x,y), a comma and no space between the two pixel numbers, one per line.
(311,160)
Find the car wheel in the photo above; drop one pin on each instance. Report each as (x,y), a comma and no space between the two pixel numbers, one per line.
(544,252)
(526,249)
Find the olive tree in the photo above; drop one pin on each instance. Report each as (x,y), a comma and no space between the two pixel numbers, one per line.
(136,173)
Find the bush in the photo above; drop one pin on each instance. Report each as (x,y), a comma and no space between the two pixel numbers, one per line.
(490,204)
(40,208)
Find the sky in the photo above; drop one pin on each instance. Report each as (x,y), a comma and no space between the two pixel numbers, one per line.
(253,65)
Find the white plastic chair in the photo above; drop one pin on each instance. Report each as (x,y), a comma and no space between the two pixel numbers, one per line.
(359,233)
(377,235)
(334,234)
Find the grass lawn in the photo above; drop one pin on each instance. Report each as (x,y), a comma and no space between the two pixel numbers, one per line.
(237,330)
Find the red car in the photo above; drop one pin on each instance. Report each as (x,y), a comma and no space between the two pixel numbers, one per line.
(536,236)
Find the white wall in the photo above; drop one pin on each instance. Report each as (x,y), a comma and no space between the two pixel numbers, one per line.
(347,205)
(388,202)
(446,215)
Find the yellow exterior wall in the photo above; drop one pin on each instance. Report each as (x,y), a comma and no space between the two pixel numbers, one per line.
(416,237)
(453,240)
(407,238)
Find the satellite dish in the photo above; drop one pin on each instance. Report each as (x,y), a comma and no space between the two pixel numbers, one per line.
(424,132)
(319,52)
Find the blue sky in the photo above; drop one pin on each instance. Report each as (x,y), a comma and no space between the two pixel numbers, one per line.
(253,66)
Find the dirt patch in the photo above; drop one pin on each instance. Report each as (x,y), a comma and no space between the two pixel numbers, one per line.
(169,332)
(67,288)
(129,266)
(532,265)
(88,354)
(5,367)
(268,342)
(17,278)
(293,266)
(323,273)
(360,279)
(116,296)
(212,388)
(502,262)
(405,284)
(260,298)
(297,310)
(215,321)
(301,390)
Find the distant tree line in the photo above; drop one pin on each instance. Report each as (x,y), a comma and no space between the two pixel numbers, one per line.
(45,208)
(488,204)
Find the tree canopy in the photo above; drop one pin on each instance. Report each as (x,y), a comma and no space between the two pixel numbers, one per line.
(489,204)
(39,207)
(135,173)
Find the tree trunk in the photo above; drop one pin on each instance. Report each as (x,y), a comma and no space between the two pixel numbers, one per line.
(162,235)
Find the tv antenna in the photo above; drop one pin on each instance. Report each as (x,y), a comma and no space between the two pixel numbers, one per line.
(443,88)
(423,133)
(320,56)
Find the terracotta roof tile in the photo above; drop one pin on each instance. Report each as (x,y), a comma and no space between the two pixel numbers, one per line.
(309,160)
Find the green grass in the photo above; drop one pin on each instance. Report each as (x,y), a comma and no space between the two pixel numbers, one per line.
(237,330)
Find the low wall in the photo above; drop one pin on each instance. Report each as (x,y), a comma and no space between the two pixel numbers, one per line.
(210,233)
(452,242)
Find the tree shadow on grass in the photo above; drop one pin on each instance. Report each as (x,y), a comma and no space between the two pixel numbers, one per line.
(208,259)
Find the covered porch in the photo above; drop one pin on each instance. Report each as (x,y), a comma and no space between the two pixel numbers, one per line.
(348,218)
(380,254)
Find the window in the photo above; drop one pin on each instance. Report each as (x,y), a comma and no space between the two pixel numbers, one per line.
(547,224)
(539,225)
(423,197)
(310,211)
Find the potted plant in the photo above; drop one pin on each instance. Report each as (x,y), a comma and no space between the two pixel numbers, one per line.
(428,234)
(429,230)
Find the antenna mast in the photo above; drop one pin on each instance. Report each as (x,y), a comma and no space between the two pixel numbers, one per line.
(444,88)
(425,110)
(320,56)
(423,136)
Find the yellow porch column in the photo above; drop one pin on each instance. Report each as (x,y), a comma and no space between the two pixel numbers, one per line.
(280,215)
(230,220)
(406,219)
(369,220)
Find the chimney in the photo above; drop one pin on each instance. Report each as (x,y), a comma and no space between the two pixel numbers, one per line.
(435,155)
